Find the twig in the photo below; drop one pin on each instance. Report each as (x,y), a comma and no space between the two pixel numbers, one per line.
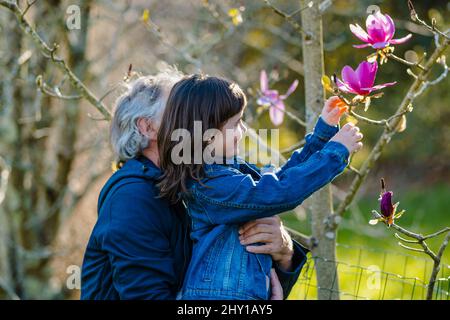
(420,240)
(389,130)
(290,115)
(53,92)
(293,147)
(405,62)
(252,133)
(292,22)
(29,4)
(50,53)
(432,28)
(304,240)
(367,120)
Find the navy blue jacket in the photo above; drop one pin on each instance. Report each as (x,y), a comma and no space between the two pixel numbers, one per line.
(140,246)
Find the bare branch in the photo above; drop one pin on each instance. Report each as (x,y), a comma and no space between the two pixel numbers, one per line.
(304,240)
(50,53)
(405,62)
(432,27)
(389,130)
(288,17)
(53,92)
(420,240)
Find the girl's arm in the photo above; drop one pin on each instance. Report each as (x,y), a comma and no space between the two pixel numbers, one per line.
(315,141)
(233,197)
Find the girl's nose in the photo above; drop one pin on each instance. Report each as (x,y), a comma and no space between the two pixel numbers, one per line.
(244,127)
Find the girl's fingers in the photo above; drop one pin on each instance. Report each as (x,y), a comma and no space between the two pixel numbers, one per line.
(354,130)
(359,136)
(358,146)
(259,237)
(331,103)
(342,110)
(348,126)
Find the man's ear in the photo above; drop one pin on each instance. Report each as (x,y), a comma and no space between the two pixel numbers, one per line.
(147,128)
(153,130)
(143,126)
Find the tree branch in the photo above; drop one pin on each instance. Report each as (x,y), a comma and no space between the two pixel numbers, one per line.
(420,240)
(389,130)
(49,52)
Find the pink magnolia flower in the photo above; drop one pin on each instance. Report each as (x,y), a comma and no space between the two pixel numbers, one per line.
(274,99)
(360,81)
(380,31)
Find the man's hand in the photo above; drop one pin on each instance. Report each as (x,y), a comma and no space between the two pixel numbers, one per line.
(277,289)
(277,241)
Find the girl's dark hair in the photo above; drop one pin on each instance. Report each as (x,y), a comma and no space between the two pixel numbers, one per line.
(210,100)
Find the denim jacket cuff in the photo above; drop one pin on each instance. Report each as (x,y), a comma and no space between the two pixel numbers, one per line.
(289,278)
(324,131)
(337,149)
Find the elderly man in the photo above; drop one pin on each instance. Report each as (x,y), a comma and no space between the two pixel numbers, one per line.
(140,246)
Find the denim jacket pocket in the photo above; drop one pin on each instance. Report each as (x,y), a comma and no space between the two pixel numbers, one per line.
(212,256)
(262,275)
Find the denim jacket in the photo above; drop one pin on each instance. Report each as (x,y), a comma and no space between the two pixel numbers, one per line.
(232,194)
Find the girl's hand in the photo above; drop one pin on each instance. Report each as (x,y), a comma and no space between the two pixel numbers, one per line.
(277,289)
(350,137)
(333,110)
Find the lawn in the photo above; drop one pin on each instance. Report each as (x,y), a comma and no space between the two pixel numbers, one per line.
(371,265)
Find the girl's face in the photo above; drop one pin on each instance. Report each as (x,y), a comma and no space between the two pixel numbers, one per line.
(232,132)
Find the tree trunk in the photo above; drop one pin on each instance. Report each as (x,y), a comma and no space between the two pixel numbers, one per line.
(33,207)
(324,252)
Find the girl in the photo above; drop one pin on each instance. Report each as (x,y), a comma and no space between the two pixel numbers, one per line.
(221,196)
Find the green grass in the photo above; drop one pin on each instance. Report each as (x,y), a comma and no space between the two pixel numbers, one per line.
(371,263)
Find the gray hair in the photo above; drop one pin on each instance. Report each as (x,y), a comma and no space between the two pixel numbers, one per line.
(144,98)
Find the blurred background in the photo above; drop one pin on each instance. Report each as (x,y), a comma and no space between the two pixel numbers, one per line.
(55,154)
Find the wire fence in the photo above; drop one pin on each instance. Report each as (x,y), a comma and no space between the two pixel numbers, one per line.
(375,274)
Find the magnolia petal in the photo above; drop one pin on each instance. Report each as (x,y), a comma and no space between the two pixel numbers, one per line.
(399,214)
(344,87)
(390,27)
(290,90)
(271,95)
(264,81)
(380,86)
(263,101)
(386,24)
(401,40)
(276,113)
(359,32)
(380,45)
(366,73)
(375,27)
(360,46)
(350,78)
